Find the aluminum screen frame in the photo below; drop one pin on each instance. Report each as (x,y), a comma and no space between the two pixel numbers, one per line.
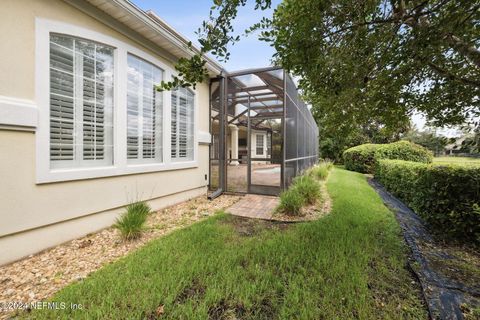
(247,98)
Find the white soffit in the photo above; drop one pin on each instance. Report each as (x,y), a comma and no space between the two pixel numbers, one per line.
(152,27)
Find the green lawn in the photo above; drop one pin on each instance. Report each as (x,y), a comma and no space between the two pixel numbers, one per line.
(347,265)
(457,160)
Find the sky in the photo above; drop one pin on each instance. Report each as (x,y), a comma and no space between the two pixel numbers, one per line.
(186,16)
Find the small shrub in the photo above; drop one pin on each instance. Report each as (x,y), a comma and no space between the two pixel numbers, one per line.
(308,188)
(404,150)
(321,170)
(291,201)
(447,197)
(361,158)
(328,164)
(305,189)
(132,221)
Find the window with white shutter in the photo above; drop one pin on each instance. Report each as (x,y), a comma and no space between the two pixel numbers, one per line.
(260,144)
(144,112)
(182,125)
(81,103)
(91,86)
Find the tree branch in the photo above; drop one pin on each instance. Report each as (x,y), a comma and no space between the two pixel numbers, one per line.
(447,74)
(472,53)
(379,21)
(465,49)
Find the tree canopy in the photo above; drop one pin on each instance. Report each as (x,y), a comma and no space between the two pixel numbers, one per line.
(383,59)
(364,62)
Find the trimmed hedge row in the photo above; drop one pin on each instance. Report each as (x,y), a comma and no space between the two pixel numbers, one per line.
(404,150)
(363,158)
(446,196)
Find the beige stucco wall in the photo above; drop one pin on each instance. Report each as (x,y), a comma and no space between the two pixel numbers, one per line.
(26,205)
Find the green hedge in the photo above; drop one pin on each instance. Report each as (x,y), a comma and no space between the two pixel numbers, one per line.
(446,196)
(404,150)
(363,158)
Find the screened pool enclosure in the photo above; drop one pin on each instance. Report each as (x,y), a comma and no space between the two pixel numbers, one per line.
(263,134)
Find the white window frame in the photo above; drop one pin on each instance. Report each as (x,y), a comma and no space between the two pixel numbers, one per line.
(263,145)
(45,174)
(78,151)
(140,159)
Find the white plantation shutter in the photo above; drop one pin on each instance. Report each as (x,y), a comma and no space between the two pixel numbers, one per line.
(182,126)
(174,133)
(81,103)
(260,144)
(61,99)
(144,112)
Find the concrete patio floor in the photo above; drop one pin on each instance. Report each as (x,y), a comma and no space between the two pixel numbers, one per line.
(262,174)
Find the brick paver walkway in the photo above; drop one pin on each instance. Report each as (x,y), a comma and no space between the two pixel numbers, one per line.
(255,206)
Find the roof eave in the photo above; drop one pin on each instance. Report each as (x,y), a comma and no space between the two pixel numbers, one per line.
(152,22)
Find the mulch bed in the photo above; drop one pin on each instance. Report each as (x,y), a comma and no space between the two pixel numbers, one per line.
(39,276)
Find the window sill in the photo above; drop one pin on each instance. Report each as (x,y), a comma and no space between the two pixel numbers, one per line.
(64,175)
(18,114)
